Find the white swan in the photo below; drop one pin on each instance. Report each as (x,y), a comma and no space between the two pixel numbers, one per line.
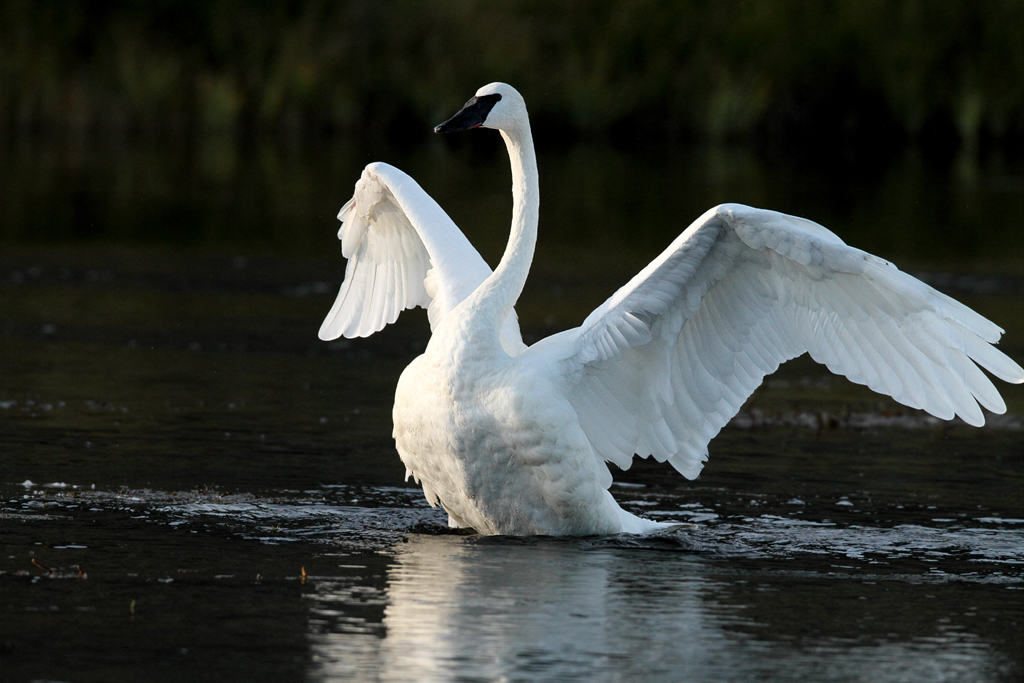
(515,440)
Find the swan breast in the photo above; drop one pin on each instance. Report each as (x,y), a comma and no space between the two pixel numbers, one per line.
(500,449)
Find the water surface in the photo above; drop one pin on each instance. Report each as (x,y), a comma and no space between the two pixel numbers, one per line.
(193,486)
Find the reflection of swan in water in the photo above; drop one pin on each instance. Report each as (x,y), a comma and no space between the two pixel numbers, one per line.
(515,440)
(504,609)
(494,608)
(554,610)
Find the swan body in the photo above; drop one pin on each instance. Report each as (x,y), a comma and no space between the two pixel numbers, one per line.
(512,439)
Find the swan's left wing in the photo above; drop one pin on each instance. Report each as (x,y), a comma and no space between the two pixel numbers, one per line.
(669,359)
(403,251)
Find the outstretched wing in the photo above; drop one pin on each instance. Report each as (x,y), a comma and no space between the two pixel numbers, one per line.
(669,359)
(403,251)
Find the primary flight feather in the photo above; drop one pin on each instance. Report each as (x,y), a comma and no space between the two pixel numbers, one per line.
(511,439)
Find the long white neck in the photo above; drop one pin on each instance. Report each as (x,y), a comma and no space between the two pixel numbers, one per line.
(496,296)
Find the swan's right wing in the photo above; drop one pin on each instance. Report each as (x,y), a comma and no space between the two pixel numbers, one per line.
(662,365)
(403,251)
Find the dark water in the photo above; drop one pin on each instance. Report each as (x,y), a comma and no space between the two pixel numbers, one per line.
(193,486)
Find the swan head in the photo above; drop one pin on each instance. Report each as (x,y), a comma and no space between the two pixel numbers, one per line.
(496,105)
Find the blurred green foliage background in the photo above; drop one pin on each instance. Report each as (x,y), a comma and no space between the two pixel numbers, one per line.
(945,72)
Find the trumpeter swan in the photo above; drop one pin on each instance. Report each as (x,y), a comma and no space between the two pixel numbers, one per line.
(512,439)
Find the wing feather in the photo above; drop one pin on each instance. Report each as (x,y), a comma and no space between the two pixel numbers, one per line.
(661,366)
(403,251)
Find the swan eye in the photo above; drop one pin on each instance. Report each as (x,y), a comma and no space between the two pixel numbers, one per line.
(483,100)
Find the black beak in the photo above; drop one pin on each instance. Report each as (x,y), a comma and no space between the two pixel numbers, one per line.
(472,114)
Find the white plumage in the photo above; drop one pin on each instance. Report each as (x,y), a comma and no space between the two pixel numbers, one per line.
(515,440)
